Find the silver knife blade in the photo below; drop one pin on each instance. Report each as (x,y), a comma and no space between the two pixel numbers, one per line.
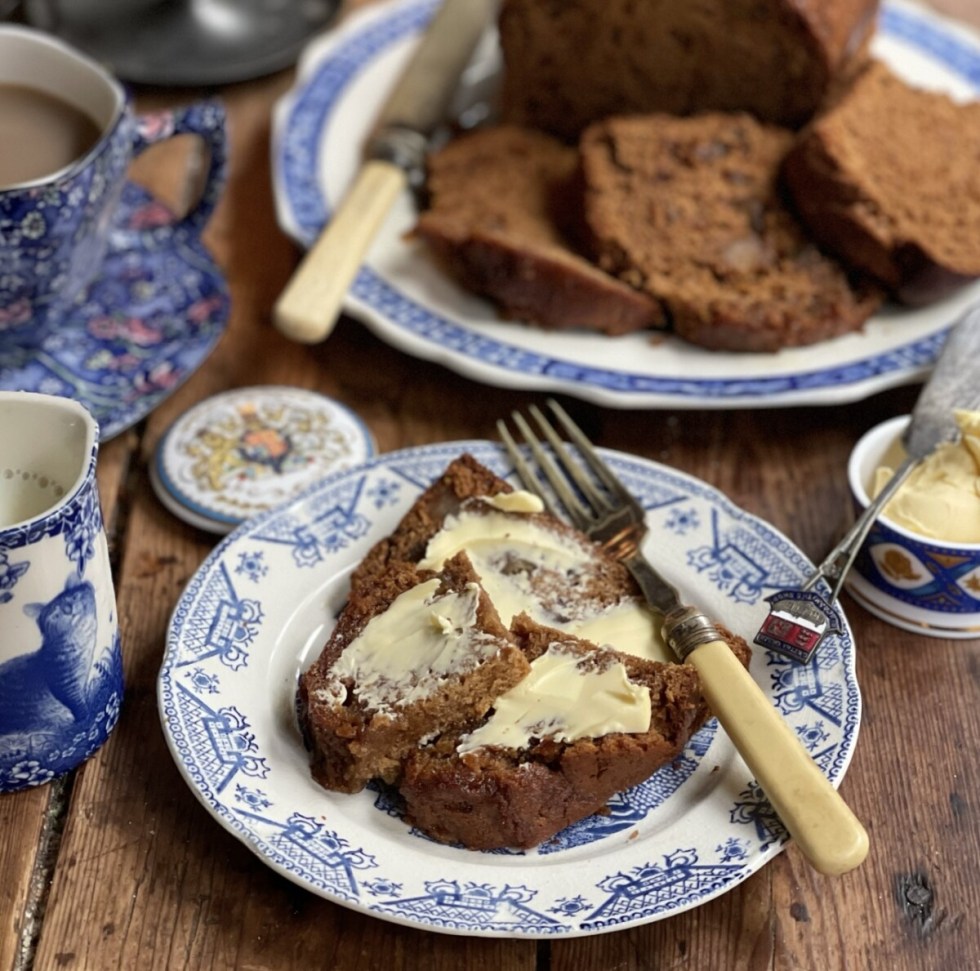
(420,100)
(954,384)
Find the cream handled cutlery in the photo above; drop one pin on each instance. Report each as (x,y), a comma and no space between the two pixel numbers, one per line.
(308,307)
(825,829)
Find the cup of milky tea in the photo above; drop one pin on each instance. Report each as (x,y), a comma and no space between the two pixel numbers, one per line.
(67,136)
(919,567)
(60,662)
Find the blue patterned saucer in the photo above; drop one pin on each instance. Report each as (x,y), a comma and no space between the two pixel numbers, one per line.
(258,612)
(140,330)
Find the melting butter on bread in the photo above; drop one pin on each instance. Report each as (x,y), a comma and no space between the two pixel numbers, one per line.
(449,672)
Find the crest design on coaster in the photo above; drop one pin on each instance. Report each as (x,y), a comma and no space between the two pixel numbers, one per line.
(242,452)
(253,440)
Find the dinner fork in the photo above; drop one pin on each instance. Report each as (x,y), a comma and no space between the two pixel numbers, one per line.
(589,494)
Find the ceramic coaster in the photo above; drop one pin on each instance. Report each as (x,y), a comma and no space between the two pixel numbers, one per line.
(244,451)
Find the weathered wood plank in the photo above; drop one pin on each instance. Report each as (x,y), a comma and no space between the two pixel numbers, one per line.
(21,821)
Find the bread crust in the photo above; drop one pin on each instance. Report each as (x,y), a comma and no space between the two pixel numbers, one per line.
(499,219)
(888,178)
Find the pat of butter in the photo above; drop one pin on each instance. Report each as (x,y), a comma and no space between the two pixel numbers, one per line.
(407,651)
(508,548)
(517,501)
(941,498)
(563,700)
(487,531)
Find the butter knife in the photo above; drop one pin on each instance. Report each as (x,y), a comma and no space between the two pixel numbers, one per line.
(308,307)
(799,620)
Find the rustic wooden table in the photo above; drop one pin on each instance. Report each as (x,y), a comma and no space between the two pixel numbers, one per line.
(118,866)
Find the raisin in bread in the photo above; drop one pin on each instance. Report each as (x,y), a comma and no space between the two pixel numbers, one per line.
(690,211)
(570,63)
(889,179)
(497,201)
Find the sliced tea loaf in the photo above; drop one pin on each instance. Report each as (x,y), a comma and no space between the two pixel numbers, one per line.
(889,179)
(498,198)
(584,724)
(527,560)
(415,654)
(690,211)
(498,668)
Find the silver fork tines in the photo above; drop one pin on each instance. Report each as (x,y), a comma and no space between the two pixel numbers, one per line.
(609,513)
(602,508)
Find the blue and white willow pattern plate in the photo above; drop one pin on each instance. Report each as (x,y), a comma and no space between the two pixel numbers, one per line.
(258,612)
(322,123)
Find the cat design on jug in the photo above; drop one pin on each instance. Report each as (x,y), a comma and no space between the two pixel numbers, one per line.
(50,686)
(61,670)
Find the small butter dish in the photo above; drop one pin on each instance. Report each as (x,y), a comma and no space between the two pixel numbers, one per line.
(918,583)
(244,451)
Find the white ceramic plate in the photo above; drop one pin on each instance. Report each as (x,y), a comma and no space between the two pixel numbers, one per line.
(320,127)
(259,610)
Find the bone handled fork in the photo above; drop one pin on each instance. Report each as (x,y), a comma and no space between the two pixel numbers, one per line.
(827,832)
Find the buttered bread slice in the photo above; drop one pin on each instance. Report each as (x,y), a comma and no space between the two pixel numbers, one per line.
(497,667)
(585,723)
(419,653)
(527,560)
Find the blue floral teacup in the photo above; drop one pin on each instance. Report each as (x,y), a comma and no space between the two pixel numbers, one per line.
(60,663)
(54,227)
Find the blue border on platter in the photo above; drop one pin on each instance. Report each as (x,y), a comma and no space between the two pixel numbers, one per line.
(150,319)
(298,159)
(222,753)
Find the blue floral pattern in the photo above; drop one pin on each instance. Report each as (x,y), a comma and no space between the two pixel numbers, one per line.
(670,843)
(47,729)
(149,320)
(10,573)
(54,234)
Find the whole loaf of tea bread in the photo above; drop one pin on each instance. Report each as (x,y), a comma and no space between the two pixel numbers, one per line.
(572,62)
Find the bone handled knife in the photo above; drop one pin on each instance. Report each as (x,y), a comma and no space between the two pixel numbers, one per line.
(308,308)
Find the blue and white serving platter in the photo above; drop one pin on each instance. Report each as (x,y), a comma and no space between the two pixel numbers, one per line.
(148,321)
(321,126)
(259,609)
